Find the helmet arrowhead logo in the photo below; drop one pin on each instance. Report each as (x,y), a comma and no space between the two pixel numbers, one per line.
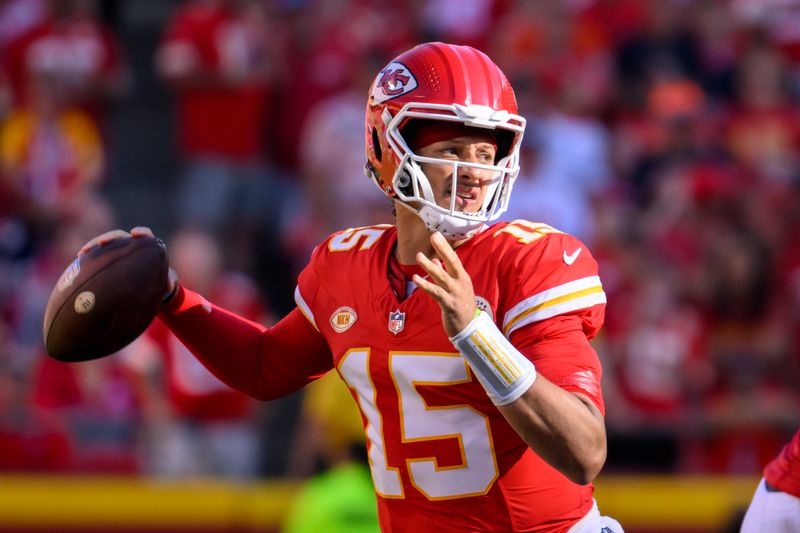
(393,81)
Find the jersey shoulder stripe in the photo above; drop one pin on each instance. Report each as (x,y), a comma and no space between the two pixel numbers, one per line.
(304,307)
(571,296)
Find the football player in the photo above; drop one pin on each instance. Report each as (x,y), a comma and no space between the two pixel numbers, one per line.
(464,342)
(775,507)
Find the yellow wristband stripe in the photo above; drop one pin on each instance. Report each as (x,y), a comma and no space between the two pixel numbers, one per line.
(488,357)
(500,356)
(503,371)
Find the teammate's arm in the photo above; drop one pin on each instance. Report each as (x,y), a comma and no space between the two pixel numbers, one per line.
(565,428)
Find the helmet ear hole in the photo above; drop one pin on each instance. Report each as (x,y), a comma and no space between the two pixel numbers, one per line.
(376,144)
(403,183)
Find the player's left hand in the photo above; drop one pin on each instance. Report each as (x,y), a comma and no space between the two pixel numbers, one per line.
(450,285)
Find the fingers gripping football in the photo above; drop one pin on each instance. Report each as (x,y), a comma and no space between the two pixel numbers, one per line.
(138,231)
(449,284)
(107,296)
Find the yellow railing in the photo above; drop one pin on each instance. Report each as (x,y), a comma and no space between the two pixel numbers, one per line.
(47,502)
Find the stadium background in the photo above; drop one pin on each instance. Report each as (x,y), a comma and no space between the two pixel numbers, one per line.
(664,134)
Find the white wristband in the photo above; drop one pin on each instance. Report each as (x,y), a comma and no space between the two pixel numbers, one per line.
(502,370)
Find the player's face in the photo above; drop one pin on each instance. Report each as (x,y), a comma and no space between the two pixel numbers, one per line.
(472,182)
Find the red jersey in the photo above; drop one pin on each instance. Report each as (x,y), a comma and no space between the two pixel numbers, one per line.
(440,451)
(783,472)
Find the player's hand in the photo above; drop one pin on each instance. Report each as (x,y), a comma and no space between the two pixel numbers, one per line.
(138,231)
(450,285)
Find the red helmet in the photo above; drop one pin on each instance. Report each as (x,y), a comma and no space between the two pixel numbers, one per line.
(449,83)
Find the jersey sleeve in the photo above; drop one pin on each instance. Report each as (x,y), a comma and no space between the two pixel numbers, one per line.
(555,306)
(264,363)
(308,288)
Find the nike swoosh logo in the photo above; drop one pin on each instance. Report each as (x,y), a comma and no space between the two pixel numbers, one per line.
(570,258)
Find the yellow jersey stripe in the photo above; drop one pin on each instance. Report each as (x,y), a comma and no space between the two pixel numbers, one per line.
(549,294)
(578,297)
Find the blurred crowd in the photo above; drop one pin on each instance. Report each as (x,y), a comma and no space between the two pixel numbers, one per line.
(664,134)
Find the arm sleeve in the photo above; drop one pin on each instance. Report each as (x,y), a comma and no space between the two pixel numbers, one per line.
(556,307)
(264,363)
(562,353)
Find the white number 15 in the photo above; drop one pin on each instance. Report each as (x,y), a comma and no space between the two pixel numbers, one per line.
(420,422)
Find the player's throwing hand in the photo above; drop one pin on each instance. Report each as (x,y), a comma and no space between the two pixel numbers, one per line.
(450,285)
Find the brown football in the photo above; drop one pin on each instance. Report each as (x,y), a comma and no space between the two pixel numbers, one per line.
(105,299)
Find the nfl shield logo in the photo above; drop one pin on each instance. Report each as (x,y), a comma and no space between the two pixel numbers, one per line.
(397,321)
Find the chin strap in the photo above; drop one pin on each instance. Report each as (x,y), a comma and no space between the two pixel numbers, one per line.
(453,228)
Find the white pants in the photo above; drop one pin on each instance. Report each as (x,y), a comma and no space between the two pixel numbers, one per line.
(772,512)
(593,522)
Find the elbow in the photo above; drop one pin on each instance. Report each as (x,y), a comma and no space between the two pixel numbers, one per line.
(584,474)
(585,469)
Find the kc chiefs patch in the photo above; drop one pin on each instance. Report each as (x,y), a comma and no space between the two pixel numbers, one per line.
(343,318)
(397,321)
(393,81)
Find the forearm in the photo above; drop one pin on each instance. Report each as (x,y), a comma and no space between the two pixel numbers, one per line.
(566,429)
(264,363)
(563,428)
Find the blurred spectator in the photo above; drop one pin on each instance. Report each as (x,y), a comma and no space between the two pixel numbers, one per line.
(657,371)
(196,424)
(340,500)
(330,430)
(50,152)
(328,41)
(99,404)
(663,45)
(330,448)
(716,48)
(751,408)
(222,58)
(564,169)
(779,18)
(96,403)
(17,17)
(74,48)
(30,439)
(764,129)
(24,307)
(453,21)
(338,192)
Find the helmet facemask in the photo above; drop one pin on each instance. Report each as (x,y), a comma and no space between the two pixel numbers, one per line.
(412,187)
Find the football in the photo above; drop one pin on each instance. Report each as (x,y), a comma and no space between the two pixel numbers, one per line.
(105,299)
